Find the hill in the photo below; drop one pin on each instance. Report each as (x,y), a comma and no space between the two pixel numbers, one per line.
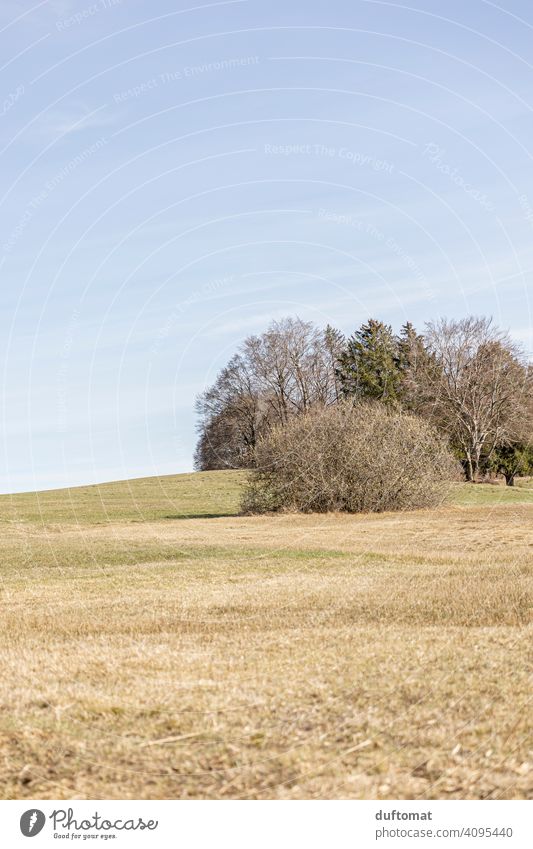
(195,495)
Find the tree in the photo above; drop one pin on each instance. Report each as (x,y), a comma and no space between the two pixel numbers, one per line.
(368,368)
(279,374)
(466,377)
(334,344)
(512,461)
(413,359)
(475,387)
(231,416)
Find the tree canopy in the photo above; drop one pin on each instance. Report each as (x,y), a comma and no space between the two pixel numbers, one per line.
(466,377)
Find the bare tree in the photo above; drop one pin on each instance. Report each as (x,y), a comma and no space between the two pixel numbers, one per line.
(282,373)
(293,366)
(475,386)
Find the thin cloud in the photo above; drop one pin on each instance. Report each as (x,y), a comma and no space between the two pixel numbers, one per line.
(76,120)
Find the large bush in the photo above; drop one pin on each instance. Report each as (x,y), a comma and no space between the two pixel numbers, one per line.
(352,457)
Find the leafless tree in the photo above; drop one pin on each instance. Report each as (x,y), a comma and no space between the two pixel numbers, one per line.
(282,373)
(475,386)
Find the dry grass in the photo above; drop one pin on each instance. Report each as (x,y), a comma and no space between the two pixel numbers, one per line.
(378,656)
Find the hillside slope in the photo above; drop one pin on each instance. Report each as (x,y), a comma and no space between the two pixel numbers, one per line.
(195,495)
(198,494)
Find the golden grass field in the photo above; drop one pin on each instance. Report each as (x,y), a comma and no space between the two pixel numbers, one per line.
(157,645)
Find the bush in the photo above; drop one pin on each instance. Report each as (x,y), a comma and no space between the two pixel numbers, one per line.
(356,458)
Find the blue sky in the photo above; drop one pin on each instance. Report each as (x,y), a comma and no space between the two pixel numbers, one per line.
(175,175)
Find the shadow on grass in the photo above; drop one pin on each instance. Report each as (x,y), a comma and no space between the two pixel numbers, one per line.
(204,516)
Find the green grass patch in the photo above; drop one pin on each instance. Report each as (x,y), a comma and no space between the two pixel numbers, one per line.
(202,495)
(196,495)
(481,494)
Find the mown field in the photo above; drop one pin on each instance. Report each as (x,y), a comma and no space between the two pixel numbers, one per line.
(157,645)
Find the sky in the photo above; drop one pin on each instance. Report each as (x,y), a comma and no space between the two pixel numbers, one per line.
(175,175)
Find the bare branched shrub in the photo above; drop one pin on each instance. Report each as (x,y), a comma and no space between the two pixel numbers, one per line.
(355,458)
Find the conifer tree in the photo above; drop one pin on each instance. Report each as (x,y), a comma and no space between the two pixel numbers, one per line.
(369,368)
(413,361)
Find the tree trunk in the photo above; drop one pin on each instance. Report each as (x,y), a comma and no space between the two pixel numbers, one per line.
(476,461)
(509,479)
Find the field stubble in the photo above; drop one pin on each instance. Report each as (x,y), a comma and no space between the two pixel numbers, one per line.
(150,656)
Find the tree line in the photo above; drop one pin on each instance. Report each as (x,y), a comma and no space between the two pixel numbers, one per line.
(466,377)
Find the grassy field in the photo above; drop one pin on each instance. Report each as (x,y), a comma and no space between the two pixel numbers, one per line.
(157,645)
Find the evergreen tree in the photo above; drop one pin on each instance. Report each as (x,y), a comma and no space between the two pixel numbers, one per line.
(512,460)
(368,367)
(413,361)
(410,347)
(334,343)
